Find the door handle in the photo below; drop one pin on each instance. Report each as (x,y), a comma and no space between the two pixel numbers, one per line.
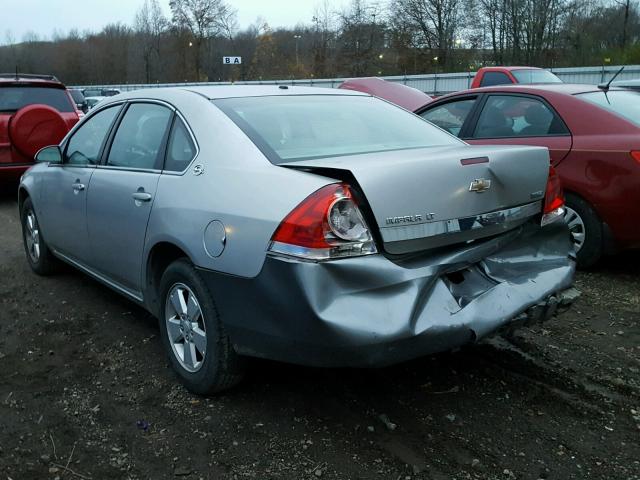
(141,196)
(77,187)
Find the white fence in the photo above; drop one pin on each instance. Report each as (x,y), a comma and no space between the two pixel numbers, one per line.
(431,83)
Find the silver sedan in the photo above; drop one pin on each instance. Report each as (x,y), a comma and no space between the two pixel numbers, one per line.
(313,226)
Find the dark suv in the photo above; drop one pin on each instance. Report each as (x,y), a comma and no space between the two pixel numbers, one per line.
(35,111)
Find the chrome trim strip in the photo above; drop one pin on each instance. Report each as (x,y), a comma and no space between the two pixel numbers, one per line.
(458,225)
(128,169)
(100,278)
(319,254)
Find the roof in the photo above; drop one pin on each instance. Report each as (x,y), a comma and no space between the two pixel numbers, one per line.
(407,97)
(561,88)
(233,91)
(509,68)
(623,83)
(30,79)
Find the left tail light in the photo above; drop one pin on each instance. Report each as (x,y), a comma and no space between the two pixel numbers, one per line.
(553,199)
(328,224)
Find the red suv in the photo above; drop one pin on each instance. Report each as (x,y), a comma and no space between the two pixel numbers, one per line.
(35,111)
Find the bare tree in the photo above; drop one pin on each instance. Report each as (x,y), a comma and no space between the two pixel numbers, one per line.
(626,6)
(150,24)
(435,22)
(323,34)
(361,37)
(203,19)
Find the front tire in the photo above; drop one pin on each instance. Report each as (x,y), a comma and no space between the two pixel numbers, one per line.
(199,350)
(40,258)
(586,230)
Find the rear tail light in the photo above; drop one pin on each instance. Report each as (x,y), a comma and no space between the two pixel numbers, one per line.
(327,224)
(553,199)
(636,155)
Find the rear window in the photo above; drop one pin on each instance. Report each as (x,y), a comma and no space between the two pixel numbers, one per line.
(625,103)
(13,98)
(535,76)
(489,79)
(77,96)
(300,127)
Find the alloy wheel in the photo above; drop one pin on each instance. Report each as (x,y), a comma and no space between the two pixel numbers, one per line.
(32,236)
(576,227)
(185,327)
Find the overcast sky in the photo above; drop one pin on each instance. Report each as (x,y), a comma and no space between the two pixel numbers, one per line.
(45,16)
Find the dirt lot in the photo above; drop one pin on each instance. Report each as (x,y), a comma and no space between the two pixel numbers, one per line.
(85,392)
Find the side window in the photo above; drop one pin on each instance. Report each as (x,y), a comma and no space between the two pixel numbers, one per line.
(180,150)
(495,78)
(138,143)
(514,116)
(85,144)
(450,116)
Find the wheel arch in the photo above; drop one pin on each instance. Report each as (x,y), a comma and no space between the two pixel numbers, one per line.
(160,256)
(23,194)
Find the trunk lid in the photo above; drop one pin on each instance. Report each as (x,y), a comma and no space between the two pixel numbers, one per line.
(430,197)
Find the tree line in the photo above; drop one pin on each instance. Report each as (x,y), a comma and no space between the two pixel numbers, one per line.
(365,38)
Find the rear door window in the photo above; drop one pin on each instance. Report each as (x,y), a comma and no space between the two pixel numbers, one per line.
(450,116)
(494,78)
(13,98)
(86,143)
(140,138)
(506,116)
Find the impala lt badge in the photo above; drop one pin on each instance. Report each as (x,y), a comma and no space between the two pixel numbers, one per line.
(427,217)
(480,185)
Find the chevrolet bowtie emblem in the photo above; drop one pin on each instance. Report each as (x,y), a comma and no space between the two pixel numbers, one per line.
(480,185)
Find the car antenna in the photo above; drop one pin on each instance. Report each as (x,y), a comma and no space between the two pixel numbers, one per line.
(605,86)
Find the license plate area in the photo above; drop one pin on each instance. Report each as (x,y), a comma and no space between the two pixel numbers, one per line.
(468,284)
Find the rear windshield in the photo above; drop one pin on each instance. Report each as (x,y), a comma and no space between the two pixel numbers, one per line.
(300,127)
(13,98)
(535,76)
(77,95)
(625,103)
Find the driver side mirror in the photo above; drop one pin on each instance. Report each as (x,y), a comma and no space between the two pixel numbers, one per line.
(51,155)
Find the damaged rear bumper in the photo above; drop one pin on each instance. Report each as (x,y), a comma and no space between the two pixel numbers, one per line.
(372,311)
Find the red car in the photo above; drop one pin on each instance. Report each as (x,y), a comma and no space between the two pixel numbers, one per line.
(491,76)
(35,111)
(593,136)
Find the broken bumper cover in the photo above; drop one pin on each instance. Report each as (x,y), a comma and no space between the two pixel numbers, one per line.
(372,311)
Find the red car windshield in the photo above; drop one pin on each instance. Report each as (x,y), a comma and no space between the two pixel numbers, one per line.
(625,103)
(13,98)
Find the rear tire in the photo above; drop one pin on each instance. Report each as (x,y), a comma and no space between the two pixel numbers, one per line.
(586,230)
(199,350)
(40,258)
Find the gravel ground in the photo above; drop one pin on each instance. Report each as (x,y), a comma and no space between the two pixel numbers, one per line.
(85,392)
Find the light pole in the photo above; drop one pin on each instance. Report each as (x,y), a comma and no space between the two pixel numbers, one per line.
(297,37)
